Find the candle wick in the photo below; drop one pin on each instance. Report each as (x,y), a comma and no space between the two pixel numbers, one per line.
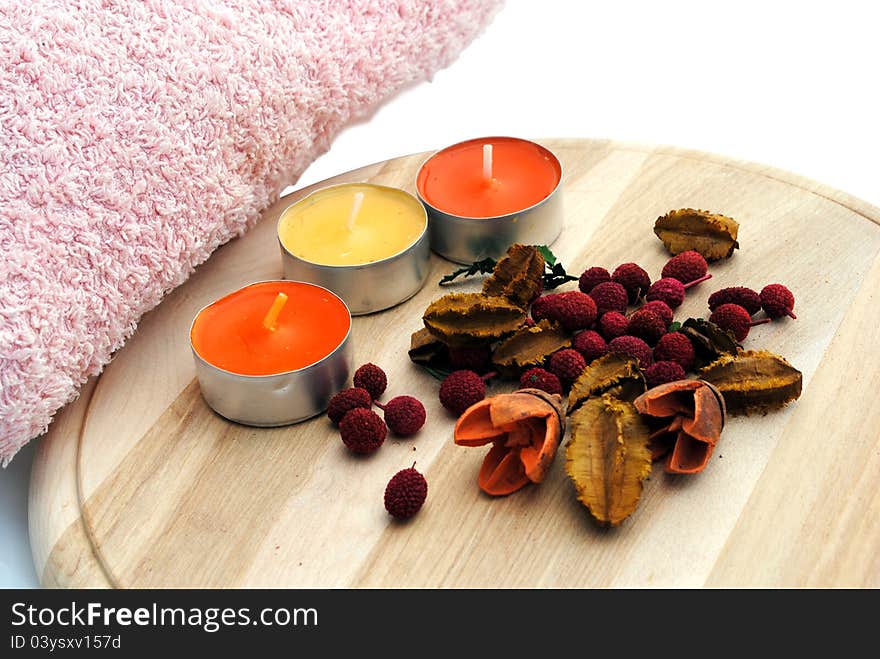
(487,163)
(270,320)
(355,209)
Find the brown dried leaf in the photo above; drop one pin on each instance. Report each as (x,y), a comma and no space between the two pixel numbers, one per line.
(461,319)
(754,381)
(710,341)
(427,350)
(530,346)
(608,458)
(614,373)
(711,234)
(518,276)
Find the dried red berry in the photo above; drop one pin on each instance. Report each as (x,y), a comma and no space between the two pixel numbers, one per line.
(662,372)
(539,378)
(348,399)
(661,309)
(541,306)
(461,389)
(744,297)
(777,301)
(634,347)
(362,430)
(675,347)
(633,278)
(688,267)
(612,325)
(372,378)
(668,290)
(590,344)
(567,364)
(405,493)
(404,415)
(736,319)
(646,325)
(609,296)
(592,277)
(574,311)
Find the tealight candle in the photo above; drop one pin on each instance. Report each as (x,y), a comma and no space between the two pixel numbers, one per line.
(485,194)
(367,243)
(272,353)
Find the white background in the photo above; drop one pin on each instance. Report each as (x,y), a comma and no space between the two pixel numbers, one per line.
(790,84)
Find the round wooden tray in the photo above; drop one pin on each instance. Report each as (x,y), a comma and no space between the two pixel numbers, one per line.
(139,484)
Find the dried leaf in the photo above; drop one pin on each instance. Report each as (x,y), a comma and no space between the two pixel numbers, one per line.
(518,276)
(710,341)
(711,234)
(614,373)
(461,319)
(608,458)
(530,346)
(425,349)
(754,381)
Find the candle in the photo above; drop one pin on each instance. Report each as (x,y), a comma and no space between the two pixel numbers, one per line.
(367,243)
(482,195)
(273,352)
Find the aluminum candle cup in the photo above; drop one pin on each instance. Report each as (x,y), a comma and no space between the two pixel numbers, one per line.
(272,353)
(367,243)
(485,194)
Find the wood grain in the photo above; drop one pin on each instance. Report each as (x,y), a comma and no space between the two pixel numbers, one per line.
(139,484)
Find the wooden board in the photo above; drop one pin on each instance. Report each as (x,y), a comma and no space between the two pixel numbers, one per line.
(139,484)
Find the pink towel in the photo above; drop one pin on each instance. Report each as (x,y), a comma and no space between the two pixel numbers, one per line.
(136,136)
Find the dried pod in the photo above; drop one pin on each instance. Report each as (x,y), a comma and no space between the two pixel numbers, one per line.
(711,234)
(461,319)
(614,373)
(608,458)
(754,381)
(524,428)
(693,414)
(710,341)
(427,350)
(530,346)
(518,276)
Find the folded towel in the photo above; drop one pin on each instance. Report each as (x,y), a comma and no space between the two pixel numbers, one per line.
(136,136)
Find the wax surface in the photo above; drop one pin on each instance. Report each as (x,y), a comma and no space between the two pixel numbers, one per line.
(524,173)
(230,335)
(316,229)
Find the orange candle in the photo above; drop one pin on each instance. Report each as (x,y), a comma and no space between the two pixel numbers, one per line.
(255,331)
(489,177)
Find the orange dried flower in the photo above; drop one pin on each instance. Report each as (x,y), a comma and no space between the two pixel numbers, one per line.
(693,412)
(524,428)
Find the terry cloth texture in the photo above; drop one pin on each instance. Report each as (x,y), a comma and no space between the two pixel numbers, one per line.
(137,136)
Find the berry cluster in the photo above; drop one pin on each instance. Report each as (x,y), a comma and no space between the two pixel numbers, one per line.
(598,312)
(604,325)
(733,308)
(362,430)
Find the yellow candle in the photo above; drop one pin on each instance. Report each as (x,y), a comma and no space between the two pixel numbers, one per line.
(352,224)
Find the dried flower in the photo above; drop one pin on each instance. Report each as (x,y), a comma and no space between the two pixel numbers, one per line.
(524,428)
